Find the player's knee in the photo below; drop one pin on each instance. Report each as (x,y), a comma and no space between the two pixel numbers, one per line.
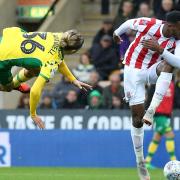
(165,67)
(170,134)
(31,72)
(28,73)
(137,123)
(137,120)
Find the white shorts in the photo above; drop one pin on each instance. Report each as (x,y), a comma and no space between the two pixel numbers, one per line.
(135,81)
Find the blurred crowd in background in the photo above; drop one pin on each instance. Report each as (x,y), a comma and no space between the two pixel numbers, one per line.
(102,67)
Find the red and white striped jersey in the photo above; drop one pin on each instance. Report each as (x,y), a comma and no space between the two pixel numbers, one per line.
(142,58)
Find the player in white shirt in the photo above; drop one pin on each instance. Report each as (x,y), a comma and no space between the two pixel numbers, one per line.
(172,59)
(143,66)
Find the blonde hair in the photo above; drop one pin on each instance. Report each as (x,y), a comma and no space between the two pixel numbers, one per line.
(72,40)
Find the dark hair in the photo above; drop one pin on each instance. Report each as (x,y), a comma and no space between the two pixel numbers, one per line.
(122,3)
(173,17)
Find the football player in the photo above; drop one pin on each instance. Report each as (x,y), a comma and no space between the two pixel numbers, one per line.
(41,54)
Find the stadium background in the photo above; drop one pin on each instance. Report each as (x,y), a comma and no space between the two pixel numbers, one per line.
(82,130)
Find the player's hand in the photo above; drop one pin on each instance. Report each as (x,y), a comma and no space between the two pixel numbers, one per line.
(117,39)
(38,122)
(153,45)
(82,85)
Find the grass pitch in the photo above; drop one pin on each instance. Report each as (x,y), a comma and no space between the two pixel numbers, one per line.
(73,174)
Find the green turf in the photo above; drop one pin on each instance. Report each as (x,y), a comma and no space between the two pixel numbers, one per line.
(73,174)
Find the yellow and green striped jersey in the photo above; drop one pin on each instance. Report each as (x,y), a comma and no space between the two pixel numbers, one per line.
(43,46)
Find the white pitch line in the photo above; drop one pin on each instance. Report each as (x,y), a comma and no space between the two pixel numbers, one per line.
(68,175)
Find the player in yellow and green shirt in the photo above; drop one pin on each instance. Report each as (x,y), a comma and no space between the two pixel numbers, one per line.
(40,54)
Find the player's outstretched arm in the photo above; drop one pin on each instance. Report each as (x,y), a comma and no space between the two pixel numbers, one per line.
(123,28)
(64,70)
(35,95)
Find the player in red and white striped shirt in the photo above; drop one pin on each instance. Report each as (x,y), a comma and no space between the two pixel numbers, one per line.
(137,56)
(143,66)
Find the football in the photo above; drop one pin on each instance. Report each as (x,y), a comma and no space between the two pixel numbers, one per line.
(172,170)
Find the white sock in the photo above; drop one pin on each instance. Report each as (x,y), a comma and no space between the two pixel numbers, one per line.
(162,85)
(137,135)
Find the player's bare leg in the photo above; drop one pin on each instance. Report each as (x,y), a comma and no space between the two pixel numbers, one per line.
(164,70)
(137,134)
(22,76)
(24,88)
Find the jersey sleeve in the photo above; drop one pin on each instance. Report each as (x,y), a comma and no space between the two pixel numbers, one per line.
(64,70)
(35,94)
(138,24)
(177,49)
(173,59)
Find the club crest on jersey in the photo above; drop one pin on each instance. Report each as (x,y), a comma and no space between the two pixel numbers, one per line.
(143,22)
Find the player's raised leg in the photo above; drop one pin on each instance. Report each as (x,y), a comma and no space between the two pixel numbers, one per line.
(32,68)
(19,79)
(6,81)
(164,70)
(22,76)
